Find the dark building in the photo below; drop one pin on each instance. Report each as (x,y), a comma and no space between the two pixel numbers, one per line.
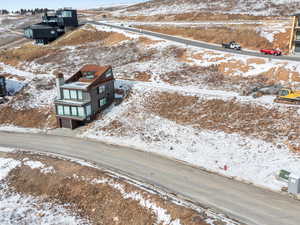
(294,45)
(83,95)
(3,91)
(54,25)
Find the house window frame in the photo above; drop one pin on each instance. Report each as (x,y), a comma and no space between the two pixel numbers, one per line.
(101,89)
(60,110)
(66,93)
(76,111)
(101,102)
(81,111)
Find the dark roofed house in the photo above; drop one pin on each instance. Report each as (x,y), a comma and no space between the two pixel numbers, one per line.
(53,26)
(83,95)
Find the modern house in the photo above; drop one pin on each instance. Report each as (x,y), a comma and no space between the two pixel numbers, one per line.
(294,45)
(83,95)
(53,26)
(3,91)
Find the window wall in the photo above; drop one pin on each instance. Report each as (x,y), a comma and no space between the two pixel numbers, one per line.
(73,94)
(75,111)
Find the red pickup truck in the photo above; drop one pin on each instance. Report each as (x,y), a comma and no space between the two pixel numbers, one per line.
(271,52)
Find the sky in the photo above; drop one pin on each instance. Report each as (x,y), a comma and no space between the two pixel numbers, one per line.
(54,4)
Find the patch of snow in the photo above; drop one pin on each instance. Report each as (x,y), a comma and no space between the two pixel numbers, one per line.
(25,209)
(246,158)
(39,165)
(12,128)
(3,149)
(7,165)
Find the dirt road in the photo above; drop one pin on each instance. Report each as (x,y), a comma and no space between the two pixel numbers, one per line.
(243,202)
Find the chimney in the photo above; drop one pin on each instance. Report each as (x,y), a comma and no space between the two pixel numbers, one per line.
(59,82)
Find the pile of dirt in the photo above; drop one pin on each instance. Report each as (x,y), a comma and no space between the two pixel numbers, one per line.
(97,201)
(247,37)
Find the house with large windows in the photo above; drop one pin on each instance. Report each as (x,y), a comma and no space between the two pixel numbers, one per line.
(83,95)
(54,25)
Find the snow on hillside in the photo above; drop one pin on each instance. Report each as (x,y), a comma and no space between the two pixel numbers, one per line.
(247,158)
(252,7)
(24,209)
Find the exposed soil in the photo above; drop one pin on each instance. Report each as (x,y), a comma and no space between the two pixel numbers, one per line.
(29,118)
(99,202)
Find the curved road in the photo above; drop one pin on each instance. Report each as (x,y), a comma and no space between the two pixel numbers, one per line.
(197,43)
(246,203)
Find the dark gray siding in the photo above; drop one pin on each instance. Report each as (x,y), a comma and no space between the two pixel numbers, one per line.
(96,96)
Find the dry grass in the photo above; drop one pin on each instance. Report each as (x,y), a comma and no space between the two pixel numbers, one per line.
(30,118)
(247,37)
(26,53)
(81,36)
(227,116)
(194,16)
(98,202)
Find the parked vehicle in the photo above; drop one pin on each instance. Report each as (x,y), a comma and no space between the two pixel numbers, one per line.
(271,52)
(232,45)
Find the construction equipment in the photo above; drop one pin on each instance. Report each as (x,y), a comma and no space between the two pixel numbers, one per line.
(288,96)
(260,90)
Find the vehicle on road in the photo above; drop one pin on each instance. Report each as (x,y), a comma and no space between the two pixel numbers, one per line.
(288,96)
(232,45)
(276,52)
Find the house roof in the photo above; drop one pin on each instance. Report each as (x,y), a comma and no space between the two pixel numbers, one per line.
(99,70)
(99,73)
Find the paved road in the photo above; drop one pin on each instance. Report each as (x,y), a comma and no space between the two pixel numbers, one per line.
(197,43)
(246,203)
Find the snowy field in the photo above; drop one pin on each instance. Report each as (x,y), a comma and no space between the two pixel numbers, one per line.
(246,158)
(16,208)
(25,209)
(257,8)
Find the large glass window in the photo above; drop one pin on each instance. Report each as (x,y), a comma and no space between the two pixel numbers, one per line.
(66,94)
(102,102)
(60,110)
(108,73)
(79,95)
(101,89)
(67,14)
(74,111)
(88,109)
(81,112)
(67,110)
(73,94)
(298,35)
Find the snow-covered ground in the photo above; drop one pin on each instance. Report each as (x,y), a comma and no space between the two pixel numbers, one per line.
(16,208)
(25,209)
(258,8)
(247,158)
